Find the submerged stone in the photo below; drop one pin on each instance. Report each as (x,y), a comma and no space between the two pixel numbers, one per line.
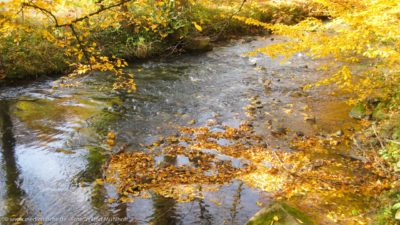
(358,112)
(280,214)
(339,133)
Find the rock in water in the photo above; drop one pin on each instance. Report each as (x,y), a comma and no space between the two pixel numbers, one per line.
(299,134)
(198,44)
(280,214)
(211,122)
(339,133)
(358,111)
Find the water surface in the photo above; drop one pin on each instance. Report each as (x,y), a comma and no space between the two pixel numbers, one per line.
(52,140)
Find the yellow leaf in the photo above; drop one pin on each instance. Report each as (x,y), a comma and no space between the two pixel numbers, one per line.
(126,200)
(80,55)
(99,181)
(111,200)
(288,111)
(154,26)
(111,135)
(111,142)
(197,26)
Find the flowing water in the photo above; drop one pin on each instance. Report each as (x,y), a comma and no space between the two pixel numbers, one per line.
(52,140)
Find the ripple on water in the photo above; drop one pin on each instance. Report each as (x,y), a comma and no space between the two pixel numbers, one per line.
(59,147)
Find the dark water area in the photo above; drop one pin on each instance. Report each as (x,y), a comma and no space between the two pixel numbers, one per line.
(52,146)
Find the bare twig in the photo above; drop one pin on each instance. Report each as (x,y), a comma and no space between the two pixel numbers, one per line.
(377,137)
(175,47)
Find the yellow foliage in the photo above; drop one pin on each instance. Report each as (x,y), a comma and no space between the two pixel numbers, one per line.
(361,38)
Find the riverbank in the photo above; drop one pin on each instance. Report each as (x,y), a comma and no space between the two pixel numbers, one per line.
(29,55)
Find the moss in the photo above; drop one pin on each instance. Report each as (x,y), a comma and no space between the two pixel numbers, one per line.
(96,158)
(358,111)
(280,213)
(101,122)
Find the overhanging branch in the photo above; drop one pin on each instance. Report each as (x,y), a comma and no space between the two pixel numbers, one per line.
(79,19)
(43,10)
(73,22)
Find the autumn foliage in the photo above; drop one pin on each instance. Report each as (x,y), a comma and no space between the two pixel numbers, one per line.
(360,44)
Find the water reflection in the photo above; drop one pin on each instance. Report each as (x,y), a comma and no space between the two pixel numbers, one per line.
(99,195)
(236,203)
(14,207)
(164,211)
(165,208)
(205,217)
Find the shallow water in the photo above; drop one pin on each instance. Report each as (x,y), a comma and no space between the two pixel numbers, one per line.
(52,140)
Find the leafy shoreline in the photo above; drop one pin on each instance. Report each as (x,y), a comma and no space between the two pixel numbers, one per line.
(36,50)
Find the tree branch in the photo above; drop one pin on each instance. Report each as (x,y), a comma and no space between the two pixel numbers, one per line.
(71,23)
(81,45)
(101,9)
(79,19)
(43,10)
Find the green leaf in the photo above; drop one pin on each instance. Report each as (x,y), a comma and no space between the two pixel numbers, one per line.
(396,206)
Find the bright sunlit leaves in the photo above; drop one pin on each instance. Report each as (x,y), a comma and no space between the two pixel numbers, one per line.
(197,26)
(358,32)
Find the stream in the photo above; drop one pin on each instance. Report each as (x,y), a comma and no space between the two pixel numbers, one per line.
(52,139)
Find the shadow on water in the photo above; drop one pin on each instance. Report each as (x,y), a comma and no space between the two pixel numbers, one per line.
(99,195)
(14,207)
(64,132)
(165,208)
(164,211)
(236,203)
(205,217)
(96,157)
